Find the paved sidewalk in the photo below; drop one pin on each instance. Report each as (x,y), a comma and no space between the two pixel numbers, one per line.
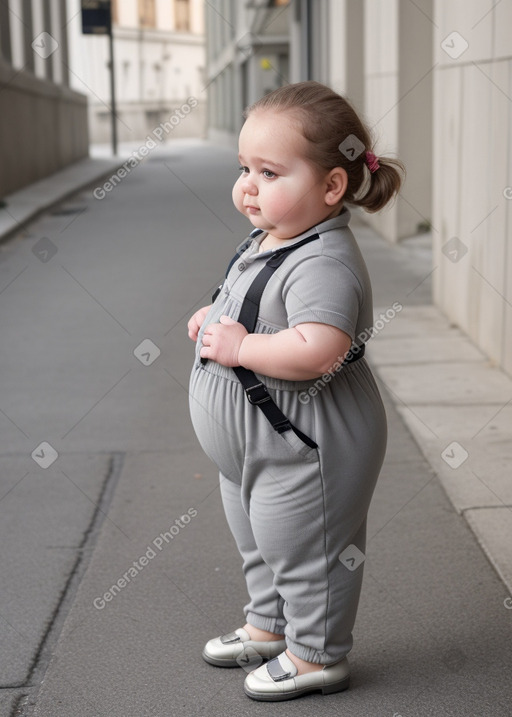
(459,409)
(26,204)
(433,631)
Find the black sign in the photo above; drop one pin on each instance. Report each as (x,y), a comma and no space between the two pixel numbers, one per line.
(96,17)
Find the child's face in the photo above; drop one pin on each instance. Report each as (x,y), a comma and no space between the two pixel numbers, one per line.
(278,189)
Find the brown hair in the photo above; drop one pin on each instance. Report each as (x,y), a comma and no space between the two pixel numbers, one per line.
(337,138)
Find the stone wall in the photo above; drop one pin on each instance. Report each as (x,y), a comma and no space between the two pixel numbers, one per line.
(43,128)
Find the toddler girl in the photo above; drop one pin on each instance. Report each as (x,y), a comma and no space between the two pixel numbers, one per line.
(297,466)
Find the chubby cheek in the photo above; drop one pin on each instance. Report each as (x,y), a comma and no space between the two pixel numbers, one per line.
(238,196)
(275,204)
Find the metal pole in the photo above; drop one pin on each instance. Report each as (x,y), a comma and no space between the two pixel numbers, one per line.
(112,86)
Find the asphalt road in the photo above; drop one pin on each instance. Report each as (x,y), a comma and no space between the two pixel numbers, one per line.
(98,461)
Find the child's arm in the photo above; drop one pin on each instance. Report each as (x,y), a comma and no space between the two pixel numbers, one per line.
(196,322)
(298,354)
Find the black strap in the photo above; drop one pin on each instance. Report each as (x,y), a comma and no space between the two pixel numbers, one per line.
(256,391)
(257,394)
(246,244)
(251,304)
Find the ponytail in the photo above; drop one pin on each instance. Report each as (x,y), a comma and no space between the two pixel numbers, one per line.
(383,183)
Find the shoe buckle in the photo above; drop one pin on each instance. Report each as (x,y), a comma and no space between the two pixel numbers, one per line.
(230,638)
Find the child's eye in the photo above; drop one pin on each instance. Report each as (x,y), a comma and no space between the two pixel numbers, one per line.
(268,174)
(243,169)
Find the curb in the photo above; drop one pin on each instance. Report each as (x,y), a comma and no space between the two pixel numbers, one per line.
(458,407)
(25,205)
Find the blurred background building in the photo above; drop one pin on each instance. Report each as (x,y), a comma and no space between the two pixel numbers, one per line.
(43,122)
(433,79)
(55,81)
(160,64)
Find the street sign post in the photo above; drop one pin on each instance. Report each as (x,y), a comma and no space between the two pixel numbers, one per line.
(96,17)
(97,20)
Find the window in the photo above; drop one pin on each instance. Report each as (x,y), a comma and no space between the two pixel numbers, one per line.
(147,13)
(182,14)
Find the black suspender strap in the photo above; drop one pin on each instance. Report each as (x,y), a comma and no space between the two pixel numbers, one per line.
(251,304)
(258,395)
(256,391)
(240,251)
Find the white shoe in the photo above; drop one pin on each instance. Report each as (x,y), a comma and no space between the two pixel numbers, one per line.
(238,650)
(278,680)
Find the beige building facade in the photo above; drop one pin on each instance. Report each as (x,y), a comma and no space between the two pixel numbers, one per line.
(434,81)
(472,175)
(159,62)
(43,121)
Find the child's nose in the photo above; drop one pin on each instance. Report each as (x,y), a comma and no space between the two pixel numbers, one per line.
(248,185)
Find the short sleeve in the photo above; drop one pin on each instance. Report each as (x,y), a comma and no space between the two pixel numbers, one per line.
(323,290)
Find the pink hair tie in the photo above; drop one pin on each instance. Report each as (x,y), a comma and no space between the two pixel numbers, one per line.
(372,162)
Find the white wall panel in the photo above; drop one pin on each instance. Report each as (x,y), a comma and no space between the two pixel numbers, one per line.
(473,22)
(491,236)
(446,179)
(381,36)
(502,18)
(337,45)
(471,194)
(381,91)
(472,169)
(506,329)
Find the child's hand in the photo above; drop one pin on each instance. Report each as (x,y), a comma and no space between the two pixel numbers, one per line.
(196,322)
(221,342)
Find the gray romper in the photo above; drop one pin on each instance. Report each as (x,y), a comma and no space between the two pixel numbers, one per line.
(294,510)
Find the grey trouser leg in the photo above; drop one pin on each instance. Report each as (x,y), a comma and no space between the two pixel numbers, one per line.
(265,609)
(294,510)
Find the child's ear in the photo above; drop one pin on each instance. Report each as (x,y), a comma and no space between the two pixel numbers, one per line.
(336,186)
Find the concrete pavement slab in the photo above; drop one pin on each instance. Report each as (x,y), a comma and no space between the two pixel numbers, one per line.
(447,383)
(434,348)
(418,321)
